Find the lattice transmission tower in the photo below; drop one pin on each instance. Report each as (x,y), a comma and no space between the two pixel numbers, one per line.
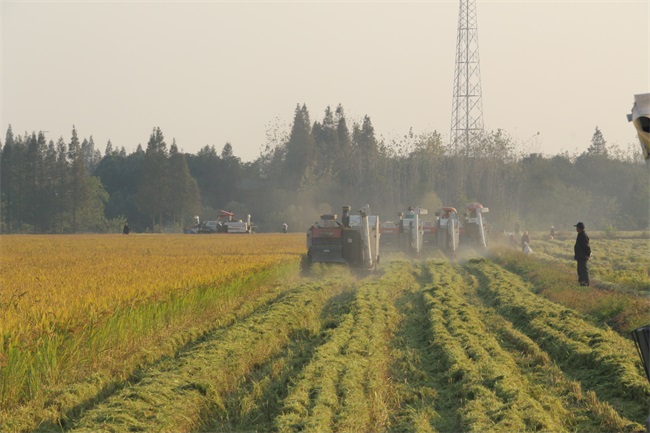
(467,110)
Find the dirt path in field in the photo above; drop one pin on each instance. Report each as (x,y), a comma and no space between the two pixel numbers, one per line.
(421,347)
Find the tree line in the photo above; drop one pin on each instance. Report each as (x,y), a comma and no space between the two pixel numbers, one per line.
(310,169)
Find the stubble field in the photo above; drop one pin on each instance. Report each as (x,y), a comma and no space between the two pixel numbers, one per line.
(224,333)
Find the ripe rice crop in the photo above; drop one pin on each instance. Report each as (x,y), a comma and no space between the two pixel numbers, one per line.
(65,299)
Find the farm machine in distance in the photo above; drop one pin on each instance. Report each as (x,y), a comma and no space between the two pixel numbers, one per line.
(353,241)
(225,223)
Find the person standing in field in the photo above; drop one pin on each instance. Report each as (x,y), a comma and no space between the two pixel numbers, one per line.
(525,241)
(582,253)
(125,229)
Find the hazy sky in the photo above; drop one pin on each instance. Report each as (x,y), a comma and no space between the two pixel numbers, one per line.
(211,72)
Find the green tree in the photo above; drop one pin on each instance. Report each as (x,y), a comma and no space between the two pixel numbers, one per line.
(300,151)
(598,144)
(184,199)
(91,156)
(8,175)
(153,189)
(78,178)
(205,167)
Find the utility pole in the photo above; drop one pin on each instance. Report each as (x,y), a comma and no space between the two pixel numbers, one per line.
(467,110)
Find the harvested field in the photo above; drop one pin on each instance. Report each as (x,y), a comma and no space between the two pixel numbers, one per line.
(425,345)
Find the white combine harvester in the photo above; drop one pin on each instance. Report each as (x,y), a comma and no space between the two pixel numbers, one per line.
(407,234)
(225,223)
(474,227)
(448,230)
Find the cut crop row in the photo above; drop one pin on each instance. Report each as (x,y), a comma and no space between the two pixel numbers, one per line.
(493,393)
(347,385)
(192,389)
(600,359)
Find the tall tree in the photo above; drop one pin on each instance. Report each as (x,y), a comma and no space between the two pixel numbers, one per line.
(8,168)
(153,189)
(79,186)
(91,156)
(205,168)
(598,144)
(326,142)
(184,199)
(300,150)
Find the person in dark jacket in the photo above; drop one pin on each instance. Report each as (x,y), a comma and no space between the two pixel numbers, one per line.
(525,241)
(582,253)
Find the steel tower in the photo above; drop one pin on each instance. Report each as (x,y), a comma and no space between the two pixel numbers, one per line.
(467,111)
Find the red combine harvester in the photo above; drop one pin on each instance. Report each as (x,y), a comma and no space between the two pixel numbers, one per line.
(353,241)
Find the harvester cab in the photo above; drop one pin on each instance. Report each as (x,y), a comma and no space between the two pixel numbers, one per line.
(448,230)
(475,225)
(353,241)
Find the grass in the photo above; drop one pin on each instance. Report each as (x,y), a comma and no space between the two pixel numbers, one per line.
(604,362)
(619,309)
(420,346)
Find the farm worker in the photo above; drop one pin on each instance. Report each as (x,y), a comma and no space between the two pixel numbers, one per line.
(285,227)
(525,240)
(582,253)
(552,235)
(126,229)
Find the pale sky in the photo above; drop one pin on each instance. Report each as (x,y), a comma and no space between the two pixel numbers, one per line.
(211,72)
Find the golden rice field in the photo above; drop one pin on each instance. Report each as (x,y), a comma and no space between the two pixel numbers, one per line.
(225,333)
